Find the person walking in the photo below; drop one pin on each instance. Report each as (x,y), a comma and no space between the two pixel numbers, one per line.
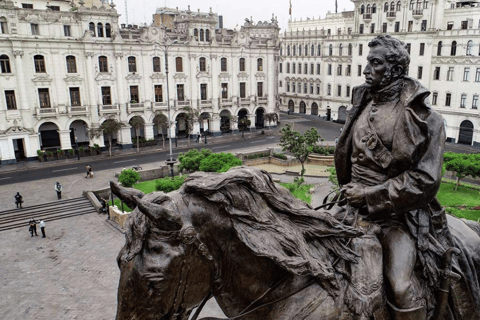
(198,137)
(33,226)
(89,171)
(42,228)
(18,200)
(58,188)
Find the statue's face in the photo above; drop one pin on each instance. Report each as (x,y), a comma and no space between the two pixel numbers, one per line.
(377,72)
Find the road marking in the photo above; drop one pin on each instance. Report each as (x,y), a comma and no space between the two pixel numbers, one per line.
(259,141)
(221,147)
(125,161)
(68,192)
(5,178)
(65,169)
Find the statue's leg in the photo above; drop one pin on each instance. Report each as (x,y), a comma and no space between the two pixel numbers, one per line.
(403,288)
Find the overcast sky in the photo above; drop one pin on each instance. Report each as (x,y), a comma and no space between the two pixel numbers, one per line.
(235,12)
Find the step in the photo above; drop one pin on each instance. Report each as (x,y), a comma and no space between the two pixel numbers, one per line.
(43,205)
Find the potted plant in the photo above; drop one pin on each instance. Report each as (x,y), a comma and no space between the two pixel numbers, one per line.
(82,151)
(71,152)
(49,155)
(40,155)
(96,148)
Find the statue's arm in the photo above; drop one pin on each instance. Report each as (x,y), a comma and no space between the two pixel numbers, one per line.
(418,186)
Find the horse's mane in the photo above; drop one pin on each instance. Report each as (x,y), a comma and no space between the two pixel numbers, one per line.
(274,224)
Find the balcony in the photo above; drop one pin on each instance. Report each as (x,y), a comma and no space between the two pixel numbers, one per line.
(112,108)
(46,112)
(417,13)
(225,102)
(182,104)
(391,15)
(77,110)
(205,103)
(367,17)
(244,101)
(132,107)
(159,105)
(262,99)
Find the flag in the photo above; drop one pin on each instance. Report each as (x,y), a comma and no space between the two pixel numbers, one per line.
(290,10)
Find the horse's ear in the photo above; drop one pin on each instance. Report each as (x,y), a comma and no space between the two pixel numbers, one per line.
(164,215)
(126,194)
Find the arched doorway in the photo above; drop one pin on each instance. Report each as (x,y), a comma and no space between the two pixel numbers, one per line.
(303,107)
(329,113)
(225,121)
(291,106)
(315,109)
(259,119)
(79,130)
(466,133)
(242,114)
(49,137)
(204,120)
(182,126)
(160,122)
(106,137)
(342,114)
(137,128)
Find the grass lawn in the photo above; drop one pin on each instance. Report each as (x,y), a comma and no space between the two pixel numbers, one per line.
(463,197)
(301,193)
(146,186)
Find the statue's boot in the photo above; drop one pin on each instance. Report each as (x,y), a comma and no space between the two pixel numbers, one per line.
(419,313)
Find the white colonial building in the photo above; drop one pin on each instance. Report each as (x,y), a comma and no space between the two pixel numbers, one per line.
(323,59)
(65,68)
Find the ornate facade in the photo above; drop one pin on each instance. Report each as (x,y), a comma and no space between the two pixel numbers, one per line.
(323,59)
(66,68)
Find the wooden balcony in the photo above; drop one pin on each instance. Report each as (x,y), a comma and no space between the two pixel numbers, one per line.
(77,110)
(46,112)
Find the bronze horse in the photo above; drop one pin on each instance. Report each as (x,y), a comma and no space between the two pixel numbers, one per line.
(243,239)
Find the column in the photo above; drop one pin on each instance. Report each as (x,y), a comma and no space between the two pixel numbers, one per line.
(124,137)
(215,129)
(120,87)
(148,129)
(21,93)
(6,151)
(215,87)
(100,141)
(32,145)
(196,129)
(270,82)
(234,126)
(251,117)
(65,143)
(194,86)
(92,88)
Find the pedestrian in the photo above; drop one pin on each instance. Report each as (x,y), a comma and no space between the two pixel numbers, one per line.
(89,171)
(42,228)
(33,226)
(199,138)
(18,200)
(58,188)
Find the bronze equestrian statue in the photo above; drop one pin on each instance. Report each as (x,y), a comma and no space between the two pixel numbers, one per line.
(388,251)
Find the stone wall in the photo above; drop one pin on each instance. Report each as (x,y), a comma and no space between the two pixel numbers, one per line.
(118,216)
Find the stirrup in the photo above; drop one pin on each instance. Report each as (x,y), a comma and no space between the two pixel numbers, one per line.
(418,313)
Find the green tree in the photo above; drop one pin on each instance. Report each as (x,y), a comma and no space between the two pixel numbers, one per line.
(128,177)
(110,127)
(299,145)
(137,123)
(161,122)
(190,160)
(219,162)
(463,164)
(191,117)
(243,125)
(270,117)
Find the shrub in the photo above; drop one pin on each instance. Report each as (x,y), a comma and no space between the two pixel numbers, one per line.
(49,154)
(280,156)
(82,149)
(190,160)
(60,152)
(96,147)
(258,155)
(40,153)
(219,162)
(168,184)
(128,177)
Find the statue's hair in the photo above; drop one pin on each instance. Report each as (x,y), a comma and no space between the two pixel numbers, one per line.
(397,54)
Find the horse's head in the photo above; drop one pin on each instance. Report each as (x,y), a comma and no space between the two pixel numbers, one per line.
(165,268)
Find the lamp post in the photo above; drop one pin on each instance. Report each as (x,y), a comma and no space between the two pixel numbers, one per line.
(76,144)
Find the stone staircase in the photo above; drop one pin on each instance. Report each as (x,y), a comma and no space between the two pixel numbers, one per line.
(19,218)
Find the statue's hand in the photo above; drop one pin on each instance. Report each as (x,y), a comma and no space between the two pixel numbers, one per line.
(355,195)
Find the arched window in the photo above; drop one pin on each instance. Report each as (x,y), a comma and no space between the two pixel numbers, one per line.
(299,50)
(330,50)
(39,62)
(288,50)
(259,64)
(179,64)
(350,49)
(202,64)
(319,50)
(374,8)
(385,7)
(439,48)
(340,49)
(223,65)
(453,50)
(202,35)
(100,30)
(419,4)
(5,64)
(306,50)
(412,3)
(425,4)
(108,30)
(91,27)
(156,64)
(312,50)
(3,25)
(242,64)
(71,64)
(469,47)
(132,64)
(369,10)
(195,32)
(207,35)
(392,6)
(362,9)
(399,5)
(294,48)
(102,64)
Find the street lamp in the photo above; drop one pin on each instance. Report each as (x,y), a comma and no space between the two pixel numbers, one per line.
(76,144)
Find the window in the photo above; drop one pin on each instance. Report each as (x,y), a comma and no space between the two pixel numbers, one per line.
(329,72)
(384,27)
(464,25)
(280,67)
(339,70)
(463,100)
(329,32)
(359,70)
(132,64)
(330,50)
(91,27)
(339,90)
(436,73)
(202,35)
(106,96)
(202,64)
(242,65)
(340,49)
(450,74)
(329,90)
(349,31)
(299,50)
(399,5)
(5,64)
(347,93)
(299,68)
(260,89)
(223,65)
(449,25)
(54,8)
(419,73)
(3,25)
(102,64)
(385,7)
(360,28)
(466,74)
(305,68)
(224,90)
(448,99)
(180,92)
(108,30)
(360,49)
(392,6)
(350,49)
(368,9)
(439,48)
(67,31)
(134,94)
(71,64)
(453,50)
(434,98)
(425,4)
(259,64)
(243,92)
(318,68)
(362,9)
(293,86)
(374,8)
(311,88)
(207,35)
(477,75)
(44,98)
(27,6)
(305,88)
(288,67)
(294,49)
(203,91)
(35,29)
(281,51)
(306,50)
(319,50)
(475,102)
(318,89)
(39,62)
(288,87)
(99,30)
(312,51)
(423,26)
(409,47)
(372,27)
(288,50)
(75,97)
(312,68)
(293,68)
(410,26)
(10,99)
(469,47)
(348,70)
(156,64)
(412,3)
(179,64)
(422,49)
(158,93)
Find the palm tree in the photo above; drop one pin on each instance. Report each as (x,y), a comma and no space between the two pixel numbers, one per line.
(137,123)
(161,122)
